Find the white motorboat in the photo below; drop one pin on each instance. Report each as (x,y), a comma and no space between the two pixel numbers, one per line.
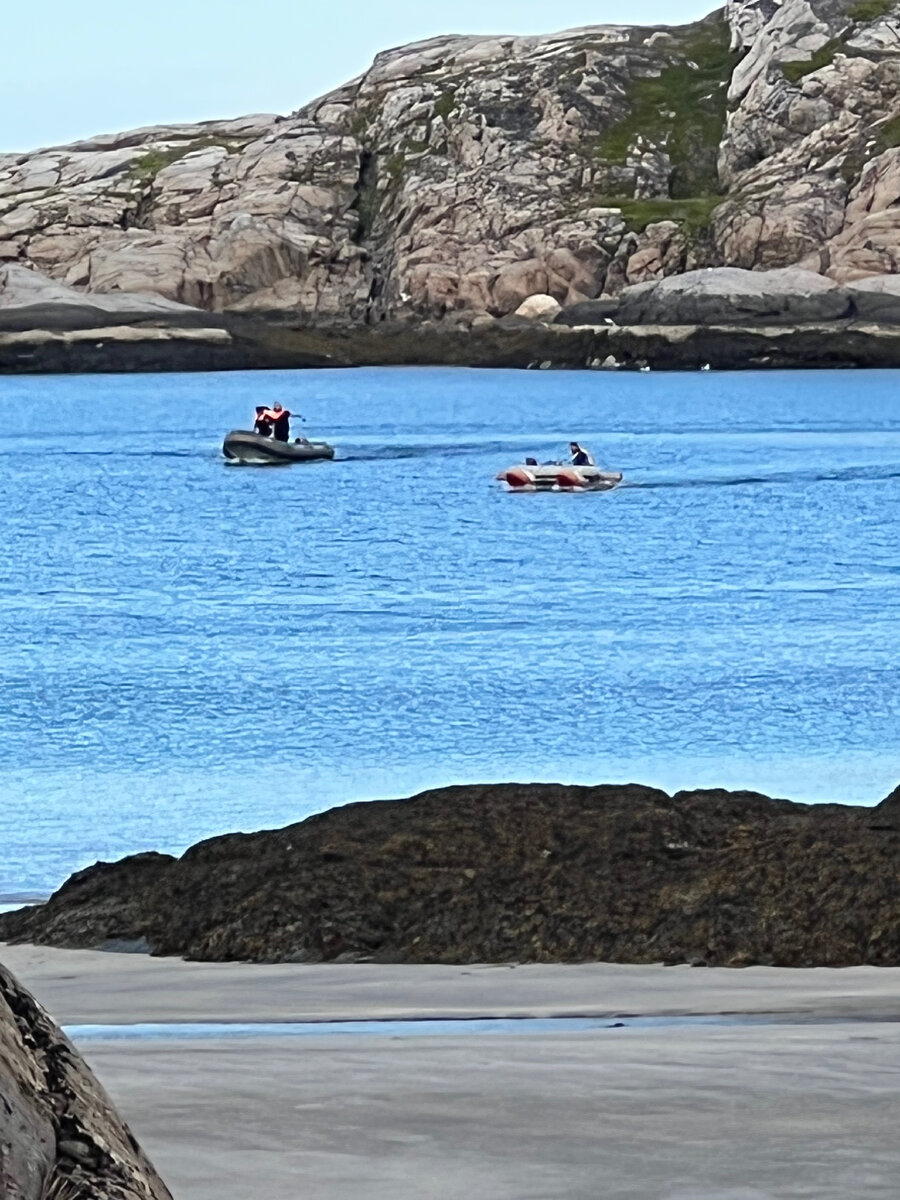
(558,477)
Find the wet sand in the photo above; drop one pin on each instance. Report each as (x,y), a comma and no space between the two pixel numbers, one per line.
(751,1112)
(84,986)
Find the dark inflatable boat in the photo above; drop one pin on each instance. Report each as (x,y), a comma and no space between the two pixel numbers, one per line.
(243,446)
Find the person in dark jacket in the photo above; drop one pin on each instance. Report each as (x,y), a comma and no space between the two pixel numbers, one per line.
(279,418)
(580,456)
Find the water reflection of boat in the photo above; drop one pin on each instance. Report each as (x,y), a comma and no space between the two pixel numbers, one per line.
(558,477)
(244,446)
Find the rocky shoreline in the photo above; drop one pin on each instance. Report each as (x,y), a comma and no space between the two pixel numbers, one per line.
(511,873)
(723,319)
(118,349)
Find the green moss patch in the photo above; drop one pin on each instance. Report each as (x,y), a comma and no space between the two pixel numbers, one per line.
(889,133)
(796,70)
(692,214)
(395,165)
(870,10)
(444,106)
(147,168)
(682,109)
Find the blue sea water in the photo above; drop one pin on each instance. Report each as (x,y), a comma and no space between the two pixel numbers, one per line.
(188,647)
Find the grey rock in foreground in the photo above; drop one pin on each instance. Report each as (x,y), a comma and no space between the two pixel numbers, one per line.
(60,1137)
(513,873)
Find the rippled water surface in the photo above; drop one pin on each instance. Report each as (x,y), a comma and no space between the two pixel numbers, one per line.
(188,647)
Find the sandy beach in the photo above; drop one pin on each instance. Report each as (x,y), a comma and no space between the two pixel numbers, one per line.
(800,1104)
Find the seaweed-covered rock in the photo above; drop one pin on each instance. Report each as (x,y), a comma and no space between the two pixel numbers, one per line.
(514,872)
(589,312)
(59,1133)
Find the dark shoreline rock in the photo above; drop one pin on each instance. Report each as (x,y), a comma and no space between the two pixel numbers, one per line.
(512,873)
(59,1133)
(252,343)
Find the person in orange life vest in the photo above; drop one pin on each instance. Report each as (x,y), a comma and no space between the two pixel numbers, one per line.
(280,419)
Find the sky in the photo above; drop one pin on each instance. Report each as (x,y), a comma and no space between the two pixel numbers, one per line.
(71,70)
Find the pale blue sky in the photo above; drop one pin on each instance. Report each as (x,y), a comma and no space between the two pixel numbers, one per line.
(75,69)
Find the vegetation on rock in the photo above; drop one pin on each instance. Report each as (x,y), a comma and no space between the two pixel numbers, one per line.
(146,168)
(692,214)
(870,10)
(798,69)
(682,109)
(513,873)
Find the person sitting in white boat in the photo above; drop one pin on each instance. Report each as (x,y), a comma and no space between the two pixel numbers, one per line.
(580,456)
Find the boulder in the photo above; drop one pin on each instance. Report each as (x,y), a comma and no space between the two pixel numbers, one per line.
(589,312)
(730,295)
(539,308)
(29,300)
(876,298)
(59,1133)
(517,282)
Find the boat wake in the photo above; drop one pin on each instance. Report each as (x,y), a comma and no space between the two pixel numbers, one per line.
(433,450)
(812,475)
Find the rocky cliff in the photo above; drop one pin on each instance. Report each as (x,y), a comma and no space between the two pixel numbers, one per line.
(460,176)
(60,1138)
(512,873)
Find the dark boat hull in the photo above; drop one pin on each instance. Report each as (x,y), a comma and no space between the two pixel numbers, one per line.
(242,446)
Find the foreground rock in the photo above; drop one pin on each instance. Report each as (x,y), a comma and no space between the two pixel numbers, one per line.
(60,1138)
(512,873)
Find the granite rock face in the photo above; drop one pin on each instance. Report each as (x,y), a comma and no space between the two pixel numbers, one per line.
(460,176)
(509,873)
(60,1138)
(810,151)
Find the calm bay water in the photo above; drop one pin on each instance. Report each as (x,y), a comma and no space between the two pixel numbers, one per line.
(188,647)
